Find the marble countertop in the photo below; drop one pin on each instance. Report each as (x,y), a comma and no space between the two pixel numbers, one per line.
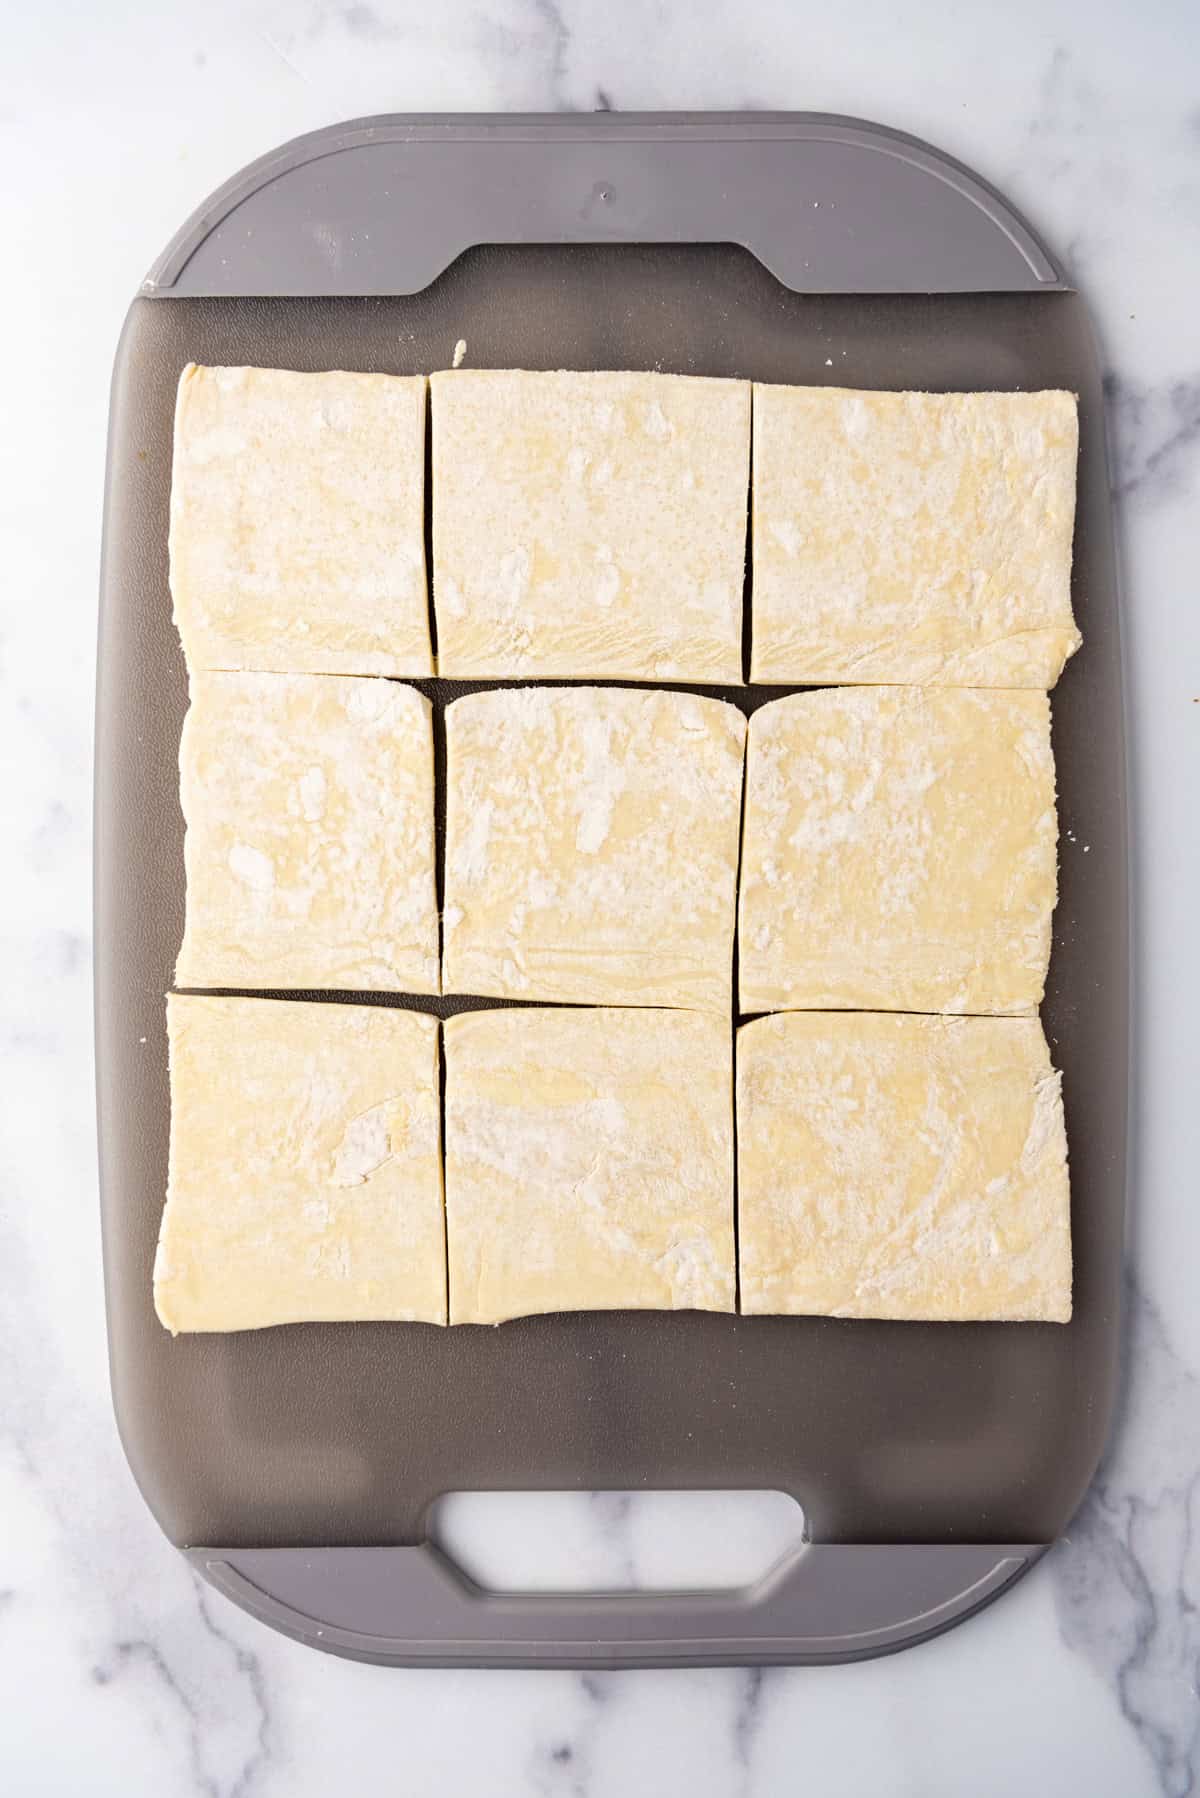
(120,1672)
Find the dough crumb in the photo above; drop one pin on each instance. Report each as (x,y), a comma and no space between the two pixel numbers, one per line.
(460,351)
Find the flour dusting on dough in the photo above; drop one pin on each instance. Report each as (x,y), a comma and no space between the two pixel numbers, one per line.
(252,867)
(364,1148)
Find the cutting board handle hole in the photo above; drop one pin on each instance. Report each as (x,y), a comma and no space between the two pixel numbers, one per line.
(609,1541)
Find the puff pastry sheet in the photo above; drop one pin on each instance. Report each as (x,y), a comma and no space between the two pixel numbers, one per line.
(589,525)
(589,1162)
(310,835)
(901,1167)
(305,1176)
(913,537)
(591,846)
(297,521)
(899,852)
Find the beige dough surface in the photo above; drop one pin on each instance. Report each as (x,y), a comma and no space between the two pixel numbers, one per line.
(913,537)
(901,1167)
(305,1179)
(310,841)
(589,525)
(297,521)
(589,1162)
(591,846)
(899,852)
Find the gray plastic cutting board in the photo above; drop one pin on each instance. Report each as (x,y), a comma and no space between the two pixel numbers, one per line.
(297,1466)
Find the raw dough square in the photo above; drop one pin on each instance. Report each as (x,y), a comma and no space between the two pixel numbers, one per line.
(589,525)
(591,846)
(297,522)
(913,537)
(305,1176)
(905,1167)
(309,848)
(899,852)
(589,1162)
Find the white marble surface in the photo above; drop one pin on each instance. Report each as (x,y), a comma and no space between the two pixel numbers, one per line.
(118,1672)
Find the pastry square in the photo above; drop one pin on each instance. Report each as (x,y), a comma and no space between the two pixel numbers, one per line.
(589,1162)
(903,1167)
(899,851)
(591,846)
(921,538)
(589,525)
(297,522)
(305,1179)
(310,848)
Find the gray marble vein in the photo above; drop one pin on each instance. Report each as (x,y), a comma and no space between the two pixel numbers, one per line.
(1126,1575)
(558,40)
(562,1764)
(1155,436)
(611,1512)
(151,1627)
(746,1718)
